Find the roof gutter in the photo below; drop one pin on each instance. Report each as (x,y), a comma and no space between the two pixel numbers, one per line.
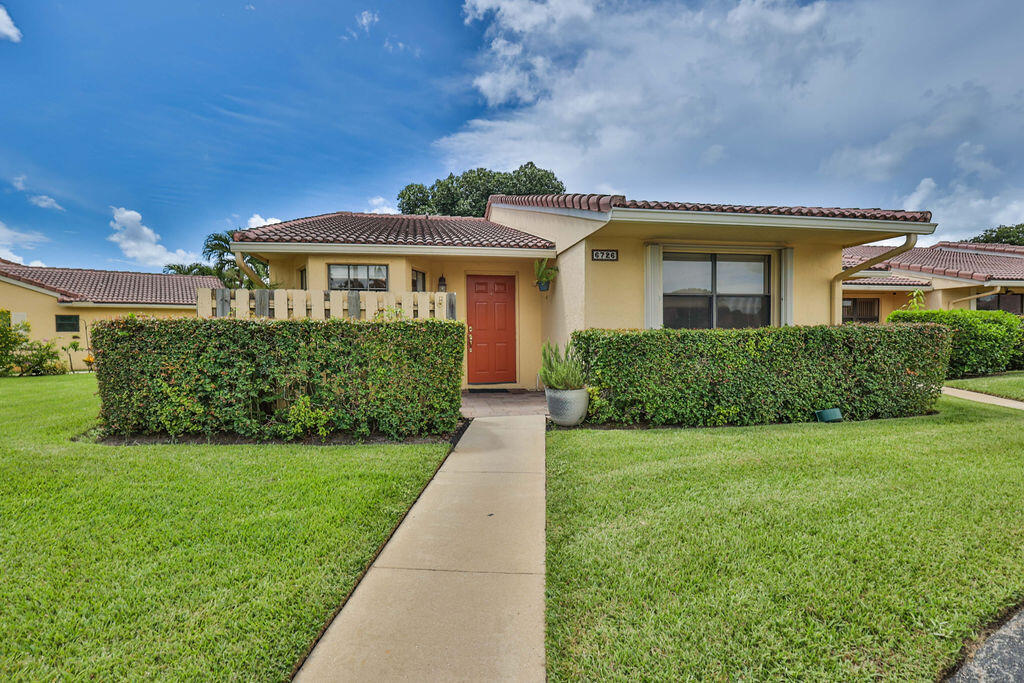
(836,288)
(990,292)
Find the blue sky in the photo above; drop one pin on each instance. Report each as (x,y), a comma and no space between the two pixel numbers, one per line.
(130,130)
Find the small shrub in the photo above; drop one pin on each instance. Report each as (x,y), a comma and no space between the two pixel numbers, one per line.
(702,378)
(286,379)
(558,371)
(39,358)
(19,355)
(983,341)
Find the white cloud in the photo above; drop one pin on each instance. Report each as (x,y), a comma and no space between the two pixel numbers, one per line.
(250,7)
(380,205)
(18,182)
(15,239)
(823,103)
(8,31)
(366,19)
(962,210)
(394,45)
(970,158)
(141,243)
(45,202)
(257,220)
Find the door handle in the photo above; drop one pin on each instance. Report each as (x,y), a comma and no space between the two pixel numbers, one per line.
(470,337)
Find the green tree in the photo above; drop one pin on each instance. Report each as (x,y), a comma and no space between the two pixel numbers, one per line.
(1004,234)
(466,194)
(217,250)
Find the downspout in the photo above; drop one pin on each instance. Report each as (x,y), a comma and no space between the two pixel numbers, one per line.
(994,290)
(836,289)
(244,267)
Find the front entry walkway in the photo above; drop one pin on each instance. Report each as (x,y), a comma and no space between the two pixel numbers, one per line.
(458,591)
(499,403)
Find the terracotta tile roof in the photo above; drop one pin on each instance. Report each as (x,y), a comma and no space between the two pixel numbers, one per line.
(999,248)
(345,227)
(854,255)
(890,281)
(111,286)
(606,202)
(951,259)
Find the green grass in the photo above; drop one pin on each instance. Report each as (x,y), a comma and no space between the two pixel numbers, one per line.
(1007,385)
(823,552)
(178,561)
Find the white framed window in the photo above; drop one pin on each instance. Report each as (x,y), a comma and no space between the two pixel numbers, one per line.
(358,276)
(715,290)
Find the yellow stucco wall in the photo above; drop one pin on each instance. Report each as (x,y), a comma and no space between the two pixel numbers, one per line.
(41,310)
(615,289)
(563,309)
(814,265)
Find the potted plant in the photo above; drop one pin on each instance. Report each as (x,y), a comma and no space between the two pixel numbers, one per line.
(562,376)
(543,274)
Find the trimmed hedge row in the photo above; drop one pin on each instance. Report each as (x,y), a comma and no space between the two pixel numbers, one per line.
(983,341)
(278,379)
(701,378)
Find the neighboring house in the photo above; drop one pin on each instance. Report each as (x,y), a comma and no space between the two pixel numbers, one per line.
(622,264)
(950,274)
(61,304)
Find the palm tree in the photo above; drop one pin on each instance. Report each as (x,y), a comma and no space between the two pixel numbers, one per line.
(190,269)
(217,250)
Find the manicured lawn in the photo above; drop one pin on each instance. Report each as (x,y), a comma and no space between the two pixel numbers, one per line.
(184,562)
(1007,385)
(822,552)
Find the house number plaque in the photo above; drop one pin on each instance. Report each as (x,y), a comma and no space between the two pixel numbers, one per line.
(604,254)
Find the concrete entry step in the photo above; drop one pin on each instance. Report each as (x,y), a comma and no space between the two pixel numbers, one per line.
(458,591)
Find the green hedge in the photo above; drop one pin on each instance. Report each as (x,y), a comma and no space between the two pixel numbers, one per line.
(700,378)
(278,379)
(1017,358)
(983,341)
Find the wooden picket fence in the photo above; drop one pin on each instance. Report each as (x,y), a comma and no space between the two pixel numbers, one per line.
(320,304)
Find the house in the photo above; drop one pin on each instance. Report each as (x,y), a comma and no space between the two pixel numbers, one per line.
(60,304)
(949,274)
(622,264)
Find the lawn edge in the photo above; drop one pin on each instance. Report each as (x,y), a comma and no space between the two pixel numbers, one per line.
(987,630)
(453,442)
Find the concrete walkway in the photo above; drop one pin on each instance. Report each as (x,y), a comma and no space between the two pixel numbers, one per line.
(458,591)
(983,398)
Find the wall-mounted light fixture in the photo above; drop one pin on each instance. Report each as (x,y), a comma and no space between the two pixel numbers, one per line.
(442,285)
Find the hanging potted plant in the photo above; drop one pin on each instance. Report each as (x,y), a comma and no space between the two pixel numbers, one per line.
(564,388)
(543,274)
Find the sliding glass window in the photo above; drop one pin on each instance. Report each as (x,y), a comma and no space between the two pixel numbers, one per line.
(716,290)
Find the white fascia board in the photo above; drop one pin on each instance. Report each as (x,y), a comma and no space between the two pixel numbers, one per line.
(396,249)
(34,288)
(768,221)
(599,216)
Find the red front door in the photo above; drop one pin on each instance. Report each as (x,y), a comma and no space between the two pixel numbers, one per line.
(491,317)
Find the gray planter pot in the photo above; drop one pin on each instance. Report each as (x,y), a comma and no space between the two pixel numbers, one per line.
(567,407)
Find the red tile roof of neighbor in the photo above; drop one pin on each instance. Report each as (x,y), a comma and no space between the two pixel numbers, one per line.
(606,202)
(111,286)
(964,260)
(344,227)
(890,281)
